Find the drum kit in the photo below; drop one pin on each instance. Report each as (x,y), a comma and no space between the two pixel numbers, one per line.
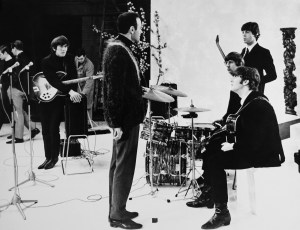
(166,156)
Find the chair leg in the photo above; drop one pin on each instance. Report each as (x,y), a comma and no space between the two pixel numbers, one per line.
(251,190)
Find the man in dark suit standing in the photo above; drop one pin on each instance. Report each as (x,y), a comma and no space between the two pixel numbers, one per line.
(123,111)
(256,56)
(257,142)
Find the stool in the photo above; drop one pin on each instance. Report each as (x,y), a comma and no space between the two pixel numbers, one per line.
(251,187)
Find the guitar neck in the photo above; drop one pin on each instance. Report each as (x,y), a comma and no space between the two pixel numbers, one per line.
(74,81)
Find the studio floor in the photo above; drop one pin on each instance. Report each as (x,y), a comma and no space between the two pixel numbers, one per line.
(80,201)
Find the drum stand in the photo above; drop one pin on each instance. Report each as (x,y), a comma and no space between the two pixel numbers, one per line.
(193,184)
(16,200)
(31,176)
(151,150)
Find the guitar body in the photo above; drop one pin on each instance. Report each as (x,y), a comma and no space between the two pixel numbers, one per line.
(225,133)
(231,123)
(43,90)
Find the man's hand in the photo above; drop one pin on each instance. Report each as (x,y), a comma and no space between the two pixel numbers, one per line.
(117,134)
(227,146)
(74,96)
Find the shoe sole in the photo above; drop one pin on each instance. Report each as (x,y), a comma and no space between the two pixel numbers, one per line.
(119,225)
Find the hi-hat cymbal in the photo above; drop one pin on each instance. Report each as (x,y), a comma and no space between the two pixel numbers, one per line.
(169,90)
(191,109)
(155,95)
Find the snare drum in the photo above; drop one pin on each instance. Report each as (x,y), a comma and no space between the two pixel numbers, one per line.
(160,130)
(169,163)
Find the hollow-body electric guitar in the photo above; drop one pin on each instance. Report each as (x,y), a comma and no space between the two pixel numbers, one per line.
(45,92)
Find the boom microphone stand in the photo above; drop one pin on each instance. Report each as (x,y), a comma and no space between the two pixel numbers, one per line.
(16,200)
(31,176)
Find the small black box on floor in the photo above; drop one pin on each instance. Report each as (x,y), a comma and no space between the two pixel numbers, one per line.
(74,148)
(162,109)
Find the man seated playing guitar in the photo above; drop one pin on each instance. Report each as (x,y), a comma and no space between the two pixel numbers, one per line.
(51,113)
(257,144)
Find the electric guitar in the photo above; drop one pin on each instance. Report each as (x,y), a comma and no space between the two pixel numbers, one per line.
(228,129)
(45,92)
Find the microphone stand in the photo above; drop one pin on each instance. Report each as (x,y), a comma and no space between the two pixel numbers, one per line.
(31,176)
(16,199)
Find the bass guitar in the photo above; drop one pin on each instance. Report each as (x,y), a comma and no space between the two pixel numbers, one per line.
(45,92)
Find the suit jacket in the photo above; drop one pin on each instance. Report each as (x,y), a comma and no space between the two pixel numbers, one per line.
(122,91)
(261,59)
(258,142)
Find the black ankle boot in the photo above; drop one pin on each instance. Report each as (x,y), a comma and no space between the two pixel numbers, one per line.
(44,163)
(220,218)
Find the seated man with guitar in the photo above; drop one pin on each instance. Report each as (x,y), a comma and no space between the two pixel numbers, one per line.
(256,143)
(51,111)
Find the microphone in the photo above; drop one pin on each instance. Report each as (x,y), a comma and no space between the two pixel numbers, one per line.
(26,67)
(9,69)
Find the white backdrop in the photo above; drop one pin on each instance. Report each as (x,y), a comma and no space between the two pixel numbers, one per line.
(190,27)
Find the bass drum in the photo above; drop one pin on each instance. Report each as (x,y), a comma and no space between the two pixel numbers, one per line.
(169,163)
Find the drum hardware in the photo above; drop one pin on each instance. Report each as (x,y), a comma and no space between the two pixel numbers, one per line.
(153,95)
(193,184)
(170,91)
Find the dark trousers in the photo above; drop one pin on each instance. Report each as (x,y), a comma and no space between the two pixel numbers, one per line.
(51,114)
(121,172)
(215,161)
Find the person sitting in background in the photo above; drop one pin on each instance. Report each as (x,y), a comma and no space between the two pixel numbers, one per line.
(85,68)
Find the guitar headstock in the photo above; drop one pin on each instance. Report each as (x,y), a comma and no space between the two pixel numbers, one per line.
(217,39)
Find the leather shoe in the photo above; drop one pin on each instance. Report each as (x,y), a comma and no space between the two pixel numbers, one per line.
(43,165)
(125,224)
(17,140)
(51,164)
(131,215)
(34,132)
(9,137)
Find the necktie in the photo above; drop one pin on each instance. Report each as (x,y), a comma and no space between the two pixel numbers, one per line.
(246,53)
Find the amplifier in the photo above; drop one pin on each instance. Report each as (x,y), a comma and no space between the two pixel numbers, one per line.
(74,148)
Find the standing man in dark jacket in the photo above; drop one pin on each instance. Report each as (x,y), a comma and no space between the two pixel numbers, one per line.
(51,113)
(123,111)
(256,56)
(257,142)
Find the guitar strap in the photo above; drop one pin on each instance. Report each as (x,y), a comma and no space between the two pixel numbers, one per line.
(243,107)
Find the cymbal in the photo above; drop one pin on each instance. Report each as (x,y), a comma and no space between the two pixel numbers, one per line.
(169,90)
(191,109)
(155,95)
